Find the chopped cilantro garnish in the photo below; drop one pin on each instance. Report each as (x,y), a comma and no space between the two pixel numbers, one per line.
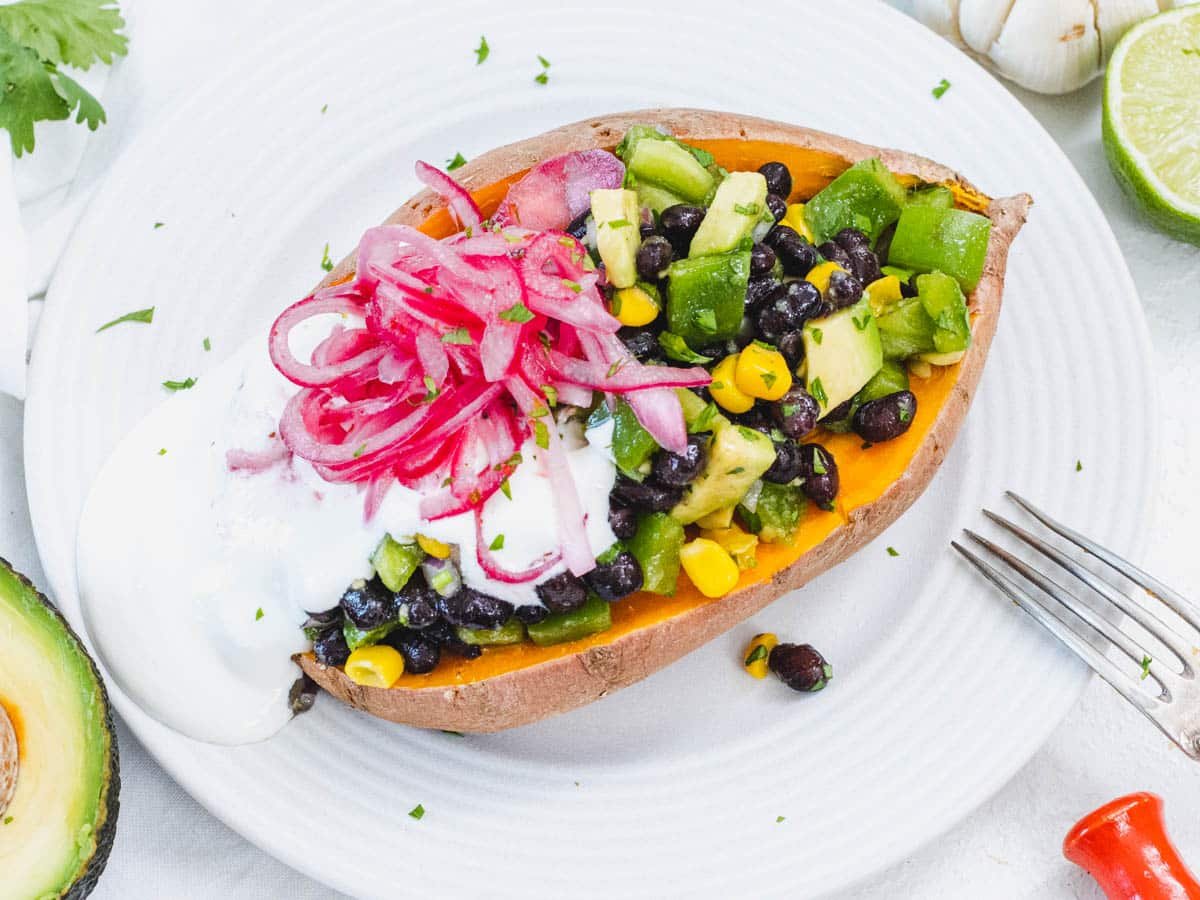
(258,614)
(818,464)
(146,316)
(497,543)
(677,349)
(541,78)
(892,551)
(779,819)
(1078,466)
(749,433)
(324,108)
(518,312)
(8,820)
(736,470)
(789,409)
(747,209)
(1146,660)
(704,421)
(618,223)
(818,391)
(614,368)
(769,379)
(158,225)
(545,62)
(862,325)
(359,450)
(573,286)
(456,163)
(905,414)
(706,320)
(539,410)
(326,262)
(431,389)
(179,385)
(162,451)
(817,335)
(551,394)
(207,345)
(541,435)
(506,489)
(417,812)
(759,652)
(482,51)
(457,336)
(941,88)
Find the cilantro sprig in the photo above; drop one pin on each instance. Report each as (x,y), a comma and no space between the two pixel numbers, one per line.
(37,37)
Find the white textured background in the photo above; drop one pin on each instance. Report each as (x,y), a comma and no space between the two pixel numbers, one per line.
(168,846)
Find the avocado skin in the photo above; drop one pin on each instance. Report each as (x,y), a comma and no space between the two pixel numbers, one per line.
(110,805)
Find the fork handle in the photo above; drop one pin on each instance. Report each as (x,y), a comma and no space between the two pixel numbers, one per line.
(1125,846)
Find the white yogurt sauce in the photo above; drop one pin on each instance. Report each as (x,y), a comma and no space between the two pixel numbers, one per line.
(177,555)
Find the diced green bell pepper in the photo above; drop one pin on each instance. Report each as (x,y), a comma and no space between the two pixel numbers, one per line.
(936,195)
(656,546)
(395,562)
(944,302)
(953,241)
(594,616)
(893,377)
(706,297)
(511,632)
(632,445)
(906,330)
(779,510)
(656,198)
(866,196)
(358,637)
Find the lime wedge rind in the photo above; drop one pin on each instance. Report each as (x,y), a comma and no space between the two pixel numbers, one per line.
(1146,177)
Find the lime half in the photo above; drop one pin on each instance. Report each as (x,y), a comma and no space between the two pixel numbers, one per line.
(1152,119)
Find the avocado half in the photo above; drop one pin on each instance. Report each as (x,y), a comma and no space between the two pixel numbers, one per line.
(59,776)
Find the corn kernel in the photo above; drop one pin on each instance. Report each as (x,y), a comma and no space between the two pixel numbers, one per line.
(762,372)
(711,569)
(724,387)
(717,519)
(433,547)
(820,274)
(920,368)
(883,292)
(758,651)
(944,359)
(794,219)
(634,306)
(741,545)
(378,666)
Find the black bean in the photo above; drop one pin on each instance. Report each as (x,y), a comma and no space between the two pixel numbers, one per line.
(762,259)
(796,412)
(789,463)
(578,228)
(804,301)
(623,521)
(718,350)
(416,602)
(820,474)
(757,417)
(835,253)
(645,496)
(777,205)
(562,593)
(448,641)
(796,254)
(788,311)
(886,418)
(653,257)
(531,614)
(420,651)
(759,291)
(839,412)
(849,238)
(746,333)
(319,621)
(864,265)
(679,469)
(368,604)
(617,578)
(800,666)
(791,345)
(302,695)
(642,343)
(779,179)
(844,290)
(474,609)
(330,647)
(909,288)
(646,224)
(679,224)
(883,246)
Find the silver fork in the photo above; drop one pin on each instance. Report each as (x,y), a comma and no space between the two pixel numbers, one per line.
(1176,708)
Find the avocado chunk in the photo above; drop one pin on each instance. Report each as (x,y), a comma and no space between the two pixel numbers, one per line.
(617,213)
(62,811)
(706,297)
(656,198)
(843,352)
(736,208)
(670,166)
(737,457)
(953,241)
(866,196)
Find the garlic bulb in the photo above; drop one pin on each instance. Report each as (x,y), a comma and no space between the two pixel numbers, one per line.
(1048,46)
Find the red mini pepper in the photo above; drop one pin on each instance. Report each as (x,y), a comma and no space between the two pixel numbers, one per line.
(1125,847)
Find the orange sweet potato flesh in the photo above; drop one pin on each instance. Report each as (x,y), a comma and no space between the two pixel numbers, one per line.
(517,684)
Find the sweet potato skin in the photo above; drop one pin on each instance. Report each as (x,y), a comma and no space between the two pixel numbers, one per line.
(530,694)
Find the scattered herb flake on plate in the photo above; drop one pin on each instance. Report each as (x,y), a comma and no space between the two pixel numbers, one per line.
(456,163)
(158,225)
(482,51)
(146,316)
(207,345)
(940,89)
(258,614)
(326,262)
(892,551)
(179,385)
(417,812)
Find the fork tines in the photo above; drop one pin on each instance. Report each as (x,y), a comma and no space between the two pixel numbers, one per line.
(1093,636)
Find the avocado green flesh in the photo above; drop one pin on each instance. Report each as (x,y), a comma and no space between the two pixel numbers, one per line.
(63,814)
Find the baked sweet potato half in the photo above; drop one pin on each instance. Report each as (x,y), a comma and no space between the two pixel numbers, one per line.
(522,683)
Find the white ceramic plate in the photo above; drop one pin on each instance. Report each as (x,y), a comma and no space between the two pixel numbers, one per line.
(674,786)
